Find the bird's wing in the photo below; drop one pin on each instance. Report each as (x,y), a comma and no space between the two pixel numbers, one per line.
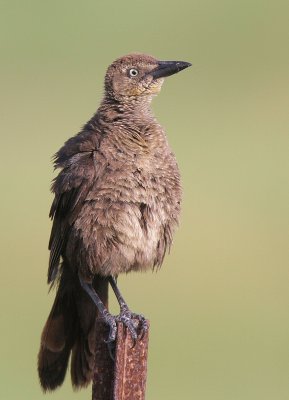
(71,188)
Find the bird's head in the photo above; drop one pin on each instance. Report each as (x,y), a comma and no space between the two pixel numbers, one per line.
(138,75)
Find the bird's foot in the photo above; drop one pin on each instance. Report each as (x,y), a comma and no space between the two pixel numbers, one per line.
(110,320)
(135,323)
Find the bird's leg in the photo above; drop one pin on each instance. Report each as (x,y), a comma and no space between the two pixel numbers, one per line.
(108,318)
(126,316)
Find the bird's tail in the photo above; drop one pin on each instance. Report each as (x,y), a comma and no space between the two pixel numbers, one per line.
(83,351)
(70,328)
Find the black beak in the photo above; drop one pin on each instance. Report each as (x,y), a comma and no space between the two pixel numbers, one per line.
(167,68)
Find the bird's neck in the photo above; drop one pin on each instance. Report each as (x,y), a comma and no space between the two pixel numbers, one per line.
(128,108)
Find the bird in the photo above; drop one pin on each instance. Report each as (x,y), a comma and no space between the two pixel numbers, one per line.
(116,206)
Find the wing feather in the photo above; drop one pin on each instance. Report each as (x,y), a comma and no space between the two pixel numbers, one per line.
(71,188)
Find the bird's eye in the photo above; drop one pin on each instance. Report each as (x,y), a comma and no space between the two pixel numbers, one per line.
(133,72)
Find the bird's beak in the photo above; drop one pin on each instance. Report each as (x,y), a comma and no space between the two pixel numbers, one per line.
(167,68)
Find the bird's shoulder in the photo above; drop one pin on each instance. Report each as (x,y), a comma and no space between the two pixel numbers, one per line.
(83,143)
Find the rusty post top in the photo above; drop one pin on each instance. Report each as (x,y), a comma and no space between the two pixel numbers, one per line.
(124,379)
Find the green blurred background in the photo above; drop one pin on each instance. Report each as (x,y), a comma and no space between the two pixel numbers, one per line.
(219,308)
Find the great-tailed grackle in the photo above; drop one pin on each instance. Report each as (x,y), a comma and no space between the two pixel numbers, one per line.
(116,206)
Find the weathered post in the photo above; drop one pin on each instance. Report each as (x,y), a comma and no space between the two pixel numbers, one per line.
(125,377)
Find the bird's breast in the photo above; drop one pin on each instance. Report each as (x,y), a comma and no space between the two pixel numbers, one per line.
(133,202)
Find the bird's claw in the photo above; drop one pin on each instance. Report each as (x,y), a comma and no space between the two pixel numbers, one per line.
(142,323)
(134,323)
(111,322)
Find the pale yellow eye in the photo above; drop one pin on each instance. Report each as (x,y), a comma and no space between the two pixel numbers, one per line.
(133,72)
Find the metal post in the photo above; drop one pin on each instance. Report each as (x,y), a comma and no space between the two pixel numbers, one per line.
(124,379)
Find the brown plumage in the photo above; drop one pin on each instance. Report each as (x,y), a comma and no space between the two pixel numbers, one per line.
(116,206)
